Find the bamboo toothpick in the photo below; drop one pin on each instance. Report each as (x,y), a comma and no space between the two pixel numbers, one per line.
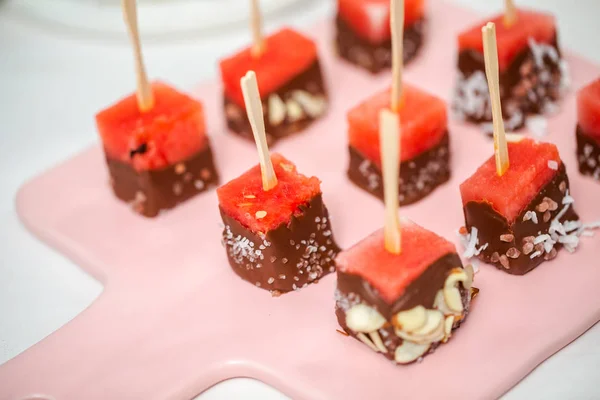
(490,51)
(145,96)
(389,139)
(510,13)
(258,43)
(397,27)
(255,115)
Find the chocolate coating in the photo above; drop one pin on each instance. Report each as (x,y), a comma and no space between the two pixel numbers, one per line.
(288,257)
(353,289)
(532,82)
(418,177)
(151,191)
(310,81)
(376,57)
(510,244)
(588,154)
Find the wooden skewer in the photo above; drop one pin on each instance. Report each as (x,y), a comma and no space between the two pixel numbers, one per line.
(490,51)
(397,27)
(389,139)
(145,97)
(510,13)
(258,45)
(255,115)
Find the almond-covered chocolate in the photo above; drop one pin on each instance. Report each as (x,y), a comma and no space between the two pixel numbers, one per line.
(279,240)
(290,80)
(402,305)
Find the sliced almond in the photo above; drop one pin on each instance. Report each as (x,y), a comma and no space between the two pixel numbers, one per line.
(456,275)
(470,276)
(448,324)
(362,318)
(313,105)
(363,338)
(432,331)
(453,299)
(294,111)
(377,341)
(277,110)
(410,320)
(408,352)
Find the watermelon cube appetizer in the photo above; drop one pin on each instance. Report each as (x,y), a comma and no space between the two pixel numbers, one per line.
(289,80)
(424,149)
(522,218)
(363,35)
(533,73)
(588,130)
(279,240)
(159,158)
(403,305)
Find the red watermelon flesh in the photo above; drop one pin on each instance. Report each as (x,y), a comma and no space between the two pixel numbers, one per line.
(243,197)
(287,54)
(370,19)
(588,109)
(172,131)
(511,40)
(511,193)
(390,274)
(423,122)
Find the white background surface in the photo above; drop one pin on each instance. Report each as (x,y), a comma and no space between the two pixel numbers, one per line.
(52,82)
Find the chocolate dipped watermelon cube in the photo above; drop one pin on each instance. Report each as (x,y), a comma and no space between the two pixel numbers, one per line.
(402,305)
(364,37)
(424,149)
(533,73)
(518,220)
(588,130)
(289,80)
(159,158)
(279,240)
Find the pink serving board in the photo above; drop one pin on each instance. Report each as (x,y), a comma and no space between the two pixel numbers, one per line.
(174,319)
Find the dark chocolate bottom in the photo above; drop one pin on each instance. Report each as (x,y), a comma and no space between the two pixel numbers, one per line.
(531,85)
(151,191)
(353,290)
(376,57)
(286,258)
(288,110)
(418,177)
(522,245)
(588,154)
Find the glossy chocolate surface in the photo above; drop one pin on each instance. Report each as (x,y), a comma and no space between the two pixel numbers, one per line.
(151,191)
(286,258)
(309,82)
(376,57)
(418,177)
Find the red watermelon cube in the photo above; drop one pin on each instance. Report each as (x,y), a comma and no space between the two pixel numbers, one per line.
(363,34)
(588,129)
(516,216)
(289,80)
(158,158)
(281,239)
(402,305)
(370,19)
(424,148)
(511,40)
